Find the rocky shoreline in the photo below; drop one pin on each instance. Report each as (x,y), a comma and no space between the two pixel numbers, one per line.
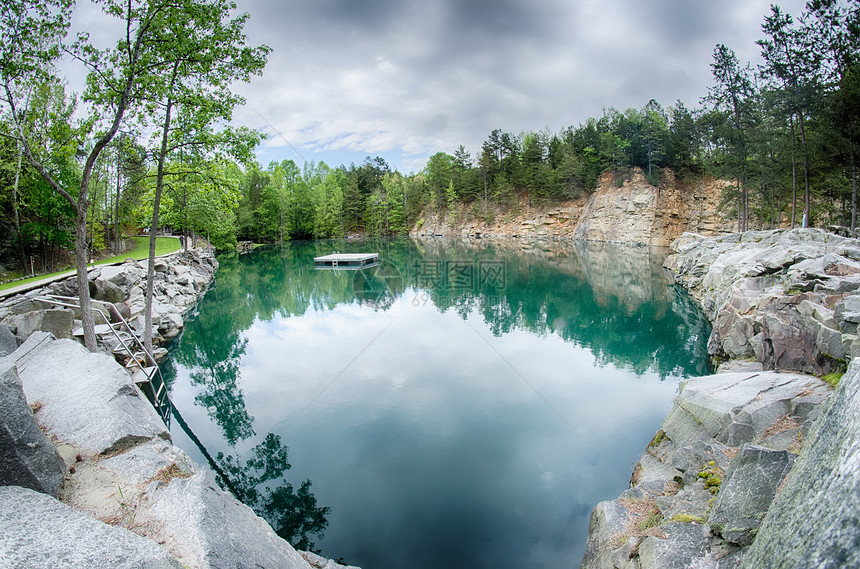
(88,476)
(789,299)
(755,466)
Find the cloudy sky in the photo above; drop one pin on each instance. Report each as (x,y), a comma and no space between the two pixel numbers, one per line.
(404,79)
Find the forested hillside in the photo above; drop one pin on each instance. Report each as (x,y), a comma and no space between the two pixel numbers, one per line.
(785,133)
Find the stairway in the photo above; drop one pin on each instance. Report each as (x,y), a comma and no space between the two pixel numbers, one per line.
(128,348)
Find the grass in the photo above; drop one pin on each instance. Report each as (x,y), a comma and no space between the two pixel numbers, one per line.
(163,246)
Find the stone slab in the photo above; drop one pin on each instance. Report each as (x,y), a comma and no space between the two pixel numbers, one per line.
(87,400)
(27,457)
(38,532)
(815,519)
(747,491)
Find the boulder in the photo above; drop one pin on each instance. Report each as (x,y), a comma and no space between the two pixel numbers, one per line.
(735,408)
(608,521)
(57,321)
(87,398)
(8,342)
(218,531)
(684,542)
(161,265)
(747,491)
(38,532)
(110,292)
(156,490)
(814,521)
(27,457)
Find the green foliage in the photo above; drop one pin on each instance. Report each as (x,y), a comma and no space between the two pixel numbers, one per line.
(651,520)
(785,136)
(688,519)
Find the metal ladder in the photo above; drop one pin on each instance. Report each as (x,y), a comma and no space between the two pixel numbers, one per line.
(141,362)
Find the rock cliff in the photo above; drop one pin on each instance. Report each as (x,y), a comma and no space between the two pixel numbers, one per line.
(753,468)
(634,212)
(789,299)
(699,492)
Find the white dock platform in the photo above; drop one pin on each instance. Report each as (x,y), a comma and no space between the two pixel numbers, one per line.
(346,260)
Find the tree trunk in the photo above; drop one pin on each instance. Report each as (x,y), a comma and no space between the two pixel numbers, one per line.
(15,209)
(87,321)
(793,175)
(806,209)
(116,236)
(153,229)
(853,189)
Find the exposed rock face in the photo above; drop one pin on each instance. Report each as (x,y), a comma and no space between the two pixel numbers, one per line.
(531,221)
(27,457)
(38,532)
(638,212)
(8,342)
(815,519)
(635,212)
(700,473)
(789,299)
(747,492)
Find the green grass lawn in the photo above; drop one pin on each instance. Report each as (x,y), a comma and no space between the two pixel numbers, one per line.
(163,246)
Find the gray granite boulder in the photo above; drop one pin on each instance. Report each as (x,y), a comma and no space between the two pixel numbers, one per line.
(156,490)
(747,492)
(8,342)
(57,321)
(684,542)
(27,457)
(218,531)
(87,399)
(38,532)
(735,408)
(815,519)
(608,520)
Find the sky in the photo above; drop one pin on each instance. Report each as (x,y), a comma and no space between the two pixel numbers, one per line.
(404,79)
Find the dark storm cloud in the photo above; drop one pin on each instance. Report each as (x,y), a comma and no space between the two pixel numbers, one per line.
(374,76)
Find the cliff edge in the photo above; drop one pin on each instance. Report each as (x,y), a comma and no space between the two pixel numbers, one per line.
(652,215)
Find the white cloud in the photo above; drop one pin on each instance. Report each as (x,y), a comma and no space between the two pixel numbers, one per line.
(408,79)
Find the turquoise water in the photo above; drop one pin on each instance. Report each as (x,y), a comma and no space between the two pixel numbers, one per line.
(456,406)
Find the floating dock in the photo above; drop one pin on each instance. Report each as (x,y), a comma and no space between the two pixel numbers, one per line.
(346,261)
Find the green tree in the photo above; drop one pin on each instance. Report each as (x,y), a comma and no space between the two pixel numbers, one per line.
(655,131)
(189,90)
(789,60)
(733,94)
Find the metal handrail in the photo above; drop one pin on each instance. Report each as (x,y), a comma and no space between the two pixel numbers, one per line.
(161,401)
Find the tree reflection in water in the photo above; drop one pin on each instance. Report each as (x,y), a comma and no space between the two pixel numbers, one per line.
(613,301)
(259,482)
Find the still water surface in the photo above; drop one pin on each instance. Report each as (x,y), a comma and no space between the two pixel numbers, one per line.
(457,406)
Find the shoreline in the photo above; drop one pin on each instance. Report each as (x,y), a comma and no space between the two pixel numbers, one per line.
(684,513)
(125,492)
(726,480)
